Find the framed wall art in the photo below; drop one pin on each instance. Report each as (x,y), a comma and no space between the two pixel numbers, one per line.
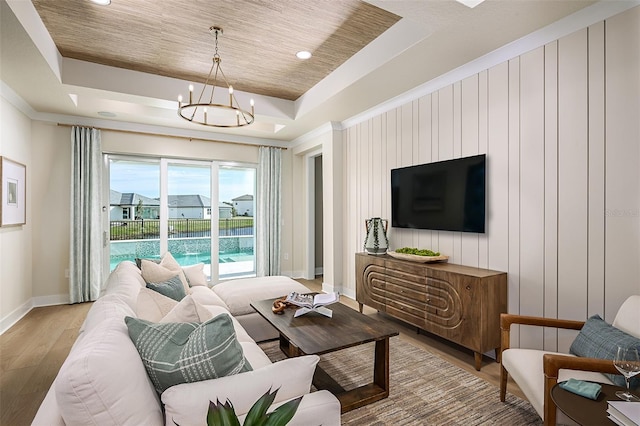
(13,193)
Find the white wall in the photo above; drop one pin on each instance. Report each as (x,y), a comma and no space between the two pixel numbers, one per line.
(560,127)
(15,241)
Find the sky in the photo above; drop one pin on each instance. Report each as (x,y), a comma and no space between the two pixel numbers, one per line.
(144,178)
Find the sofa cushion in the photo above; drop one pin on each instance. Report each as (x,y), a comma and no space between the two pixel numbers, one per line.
(207,296)
(174,353)
(107,306)
(188,310)
(195,275)
(89,386)
(187,404)
(238,294)
(125,280)
(597,339)
(167,268)
(172,288)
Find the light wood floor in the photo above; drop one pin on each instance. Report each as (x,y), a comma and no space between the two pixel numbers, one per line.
(32,351)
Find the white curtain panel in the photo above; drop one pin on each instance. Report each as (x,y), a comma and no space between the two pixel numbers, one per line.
(85,270)
(268,208)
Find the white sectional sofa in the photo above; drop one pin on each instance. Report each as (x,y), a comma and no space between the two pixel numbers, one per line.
(104,382)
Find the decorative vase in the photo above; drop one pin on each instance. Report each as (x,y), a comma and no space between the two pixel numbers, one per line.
(376,241)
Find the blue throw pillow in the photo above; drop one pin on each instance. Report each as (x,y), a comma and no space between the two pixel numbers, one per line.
(172,288)
(597,339)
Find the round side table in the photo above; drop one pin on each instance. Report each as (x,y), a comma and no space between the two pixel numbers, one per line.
(585,411)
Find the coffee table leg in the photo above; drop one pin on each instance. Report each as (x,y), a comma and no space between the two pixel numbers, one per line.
(381,365)
(288,348)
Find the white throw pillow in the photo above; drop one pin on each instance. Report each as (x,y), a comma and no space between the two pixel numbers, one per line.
(188,310)
(168,268)
(103,381)
(195,275)
(153,306)
(188,403)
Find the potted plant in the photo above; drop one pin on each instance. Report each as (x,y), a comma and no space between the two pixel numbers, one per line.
(220,414)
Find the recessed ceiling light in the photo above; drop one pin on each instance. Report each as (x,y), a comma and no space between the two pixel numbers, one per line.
(106,114)
(102,2)
(470,3)
(303,54)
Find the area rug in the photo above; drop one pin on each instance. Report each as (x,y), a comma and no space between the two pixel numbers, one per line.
(424,389)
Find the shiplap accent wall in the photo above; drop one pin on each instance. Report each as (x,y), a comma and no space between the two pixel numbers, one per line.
(559,125)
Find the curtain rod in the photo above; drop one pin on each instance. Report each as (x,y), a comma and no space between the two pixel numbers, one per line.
(134,132)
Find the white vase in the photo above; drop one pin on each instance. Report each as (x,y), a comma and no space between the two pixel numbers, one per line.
(376,241)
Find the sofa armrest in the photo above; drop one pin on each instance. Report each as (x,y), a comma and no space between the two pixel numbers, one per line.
(187,403)
(507,319)
(553,363)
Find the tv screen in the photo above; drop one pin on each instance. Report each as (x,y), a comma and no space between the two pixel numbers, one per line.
(445,195)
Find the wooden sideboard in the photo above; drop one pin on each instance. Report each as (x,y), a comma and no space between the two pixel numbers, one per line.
(458,303)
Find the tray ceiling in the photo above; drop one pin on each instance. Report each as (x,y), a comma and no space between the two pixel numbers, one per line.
(258,47)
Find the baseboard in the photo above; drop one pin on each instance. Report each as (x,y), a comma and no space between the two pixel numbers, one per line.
(15,316)
(10,320)
(54,299)
(319,271)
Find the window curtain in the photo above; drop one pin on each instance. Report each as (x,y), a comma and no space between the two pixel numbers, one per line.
(268,207)
(85,270)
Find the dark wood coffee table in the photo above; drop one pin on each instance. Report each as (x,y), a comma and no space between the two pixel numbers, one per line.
(316,334)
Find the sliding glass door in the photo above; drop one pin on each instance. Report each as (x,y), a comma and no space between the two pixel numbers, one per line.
(197,210)
(237,225)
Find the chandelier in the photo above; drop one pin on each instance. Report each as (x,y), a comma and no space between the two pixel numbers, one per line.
(205,110)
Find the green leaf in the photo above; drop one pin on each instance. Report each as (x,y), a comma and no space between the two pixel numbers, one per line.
(283,414)
(257,414)
(222,414)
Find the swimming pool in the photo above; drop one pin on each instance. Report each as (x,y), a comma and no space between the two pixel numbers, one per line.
(187,252)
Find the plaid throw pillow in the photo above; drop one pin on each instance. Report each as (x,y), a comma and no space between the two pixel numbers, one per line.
(597,339)
(174,353)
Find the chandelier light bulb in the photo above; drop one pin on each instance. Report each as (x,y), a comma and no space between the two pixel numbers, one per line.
(191,93)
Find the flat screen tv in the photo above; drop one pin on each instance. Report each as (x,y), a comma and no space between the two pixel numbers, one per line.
(444,195)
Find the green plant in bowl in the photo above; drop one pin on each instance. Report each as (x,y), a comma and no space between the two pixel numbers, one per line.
(417,252)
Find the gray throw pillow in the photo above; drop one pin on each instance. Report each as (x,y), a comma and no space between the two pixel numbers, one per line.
(174,353)
(597,339)
(172,288)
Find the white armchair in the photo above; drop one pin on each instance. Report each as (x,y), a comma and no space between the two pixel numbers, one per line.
(537,371)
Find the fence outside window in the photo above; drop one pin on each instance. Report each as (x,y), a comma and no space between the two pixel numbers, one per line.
(148,229)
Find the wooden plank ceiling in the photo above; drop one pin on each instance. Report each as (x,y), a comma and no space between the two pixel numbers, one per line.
(171,37)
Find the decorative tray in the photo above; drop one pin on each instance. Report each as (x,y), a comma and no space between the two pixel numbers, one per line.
(416,258)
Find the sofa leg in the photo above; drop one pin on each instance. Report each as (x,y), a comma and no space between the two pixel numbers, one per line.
(504,375)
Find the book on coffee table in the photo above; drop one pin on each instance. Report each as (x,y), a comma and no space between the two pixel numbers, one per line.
(313,303)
